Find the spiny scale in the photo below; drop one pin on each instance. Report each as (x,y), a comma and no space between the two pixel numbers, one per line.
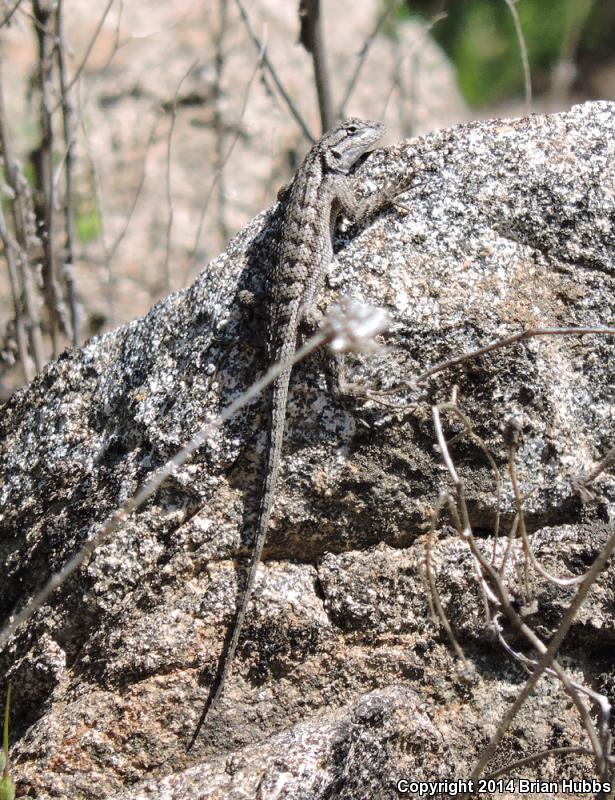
(320,191)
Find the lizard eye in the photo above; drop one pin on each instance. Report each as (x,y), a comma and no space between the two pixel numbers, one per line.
(352,129)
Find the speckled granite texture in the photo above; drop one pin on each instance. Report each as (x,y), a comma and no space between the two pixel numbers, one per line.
(343,683)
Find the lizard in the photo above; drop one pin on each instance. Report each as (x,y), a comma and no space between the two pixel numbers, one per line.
(295,268)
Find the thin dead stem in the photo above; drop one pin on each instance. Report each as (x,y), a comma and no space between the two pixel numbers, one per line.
(547,659)
(10,249)
(527,77)
(119,516)
(165,266)
(469,431)
(42,161)
(312,38)
(600,702)
(274,76)
(10,13)
(407,54)
(24,228)
(437,609)
(107,258)
(507,342)
(582,483)
(127,220)
(86,57)
(527,548)
(69,142)
(387,12)
(229,152)
(219,126)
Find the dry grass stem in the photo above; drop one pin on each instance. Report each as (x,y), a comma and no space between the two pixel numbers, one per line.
(527,76)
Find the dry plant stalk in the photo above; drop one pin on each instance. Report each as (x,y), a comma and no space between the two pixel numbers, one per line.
(21,245)
(495,592)
(31,235)
(349,326)
(312,38)
(525,61)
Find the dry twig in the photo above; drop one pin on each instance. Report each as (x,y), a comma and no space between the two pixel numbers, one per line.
(165,266)
(507,342)
(42,161)
(69,142)
(527,77)
(26,240)
(311,37)
(9,14)
(274,76)
(386,14)
(227,155)
(497,589)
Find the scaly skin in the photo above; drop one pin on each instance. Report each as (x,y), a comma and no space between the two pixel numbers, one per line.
(302,251)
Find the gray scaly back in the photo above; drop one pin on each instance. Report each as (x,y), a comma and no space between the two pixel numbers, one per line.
(302,251)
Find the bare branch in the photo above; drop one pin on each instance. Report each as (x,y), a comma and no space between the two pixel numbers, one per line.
(547,658)
(386,14)
(165,266)
(25,232)
(217,176)
(311,37)
(529,553)
(599,700)
(69,218)
(119,238)
(506,342)
(274,76)
(42,161)
(582,483)
(411,52)
(107,257)
(434,595)
(218,121)
(499,590)
(471,433)
(9,14)
(20,326)
(88,51)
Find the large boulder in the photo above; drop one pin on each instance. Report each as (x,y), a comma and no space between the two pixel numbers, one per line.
(343,682)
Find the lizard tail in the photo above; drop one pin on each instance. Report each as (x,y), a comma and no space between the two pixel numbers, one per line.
(276,436)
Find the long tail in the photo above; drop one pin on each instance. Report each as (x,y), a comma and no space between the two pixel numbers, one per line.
(276,436)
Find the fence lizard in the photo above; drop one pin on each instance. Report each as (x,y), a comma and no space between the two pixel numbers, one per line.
(295,268)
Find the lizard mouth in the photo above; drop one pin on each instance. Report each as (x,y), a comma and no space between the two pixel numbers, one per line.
(363,157)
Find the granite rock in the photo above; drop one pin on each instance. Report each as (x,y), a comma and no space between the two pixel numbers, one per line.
(343,681)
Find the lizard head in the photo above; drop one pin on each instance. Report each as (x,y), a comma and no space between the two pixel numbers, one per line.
(344,145)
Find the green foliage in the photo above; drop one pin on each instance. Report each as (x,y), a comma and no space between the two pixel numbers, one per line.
(87,225)
(480,38)
(7,787)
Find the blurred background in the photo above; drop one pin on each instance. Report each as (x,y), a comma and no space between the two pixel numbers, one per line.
(137,136)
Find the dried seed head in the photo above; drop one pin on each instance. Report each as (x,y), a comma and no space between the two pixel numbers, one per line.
(353,326)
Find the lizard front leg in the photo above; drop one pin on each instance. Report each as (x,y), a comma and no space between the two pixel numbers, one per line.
(356,210)
(359,209)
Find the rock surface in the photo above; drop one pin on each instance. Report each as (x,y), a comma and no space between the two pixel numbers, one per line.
(343,683)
